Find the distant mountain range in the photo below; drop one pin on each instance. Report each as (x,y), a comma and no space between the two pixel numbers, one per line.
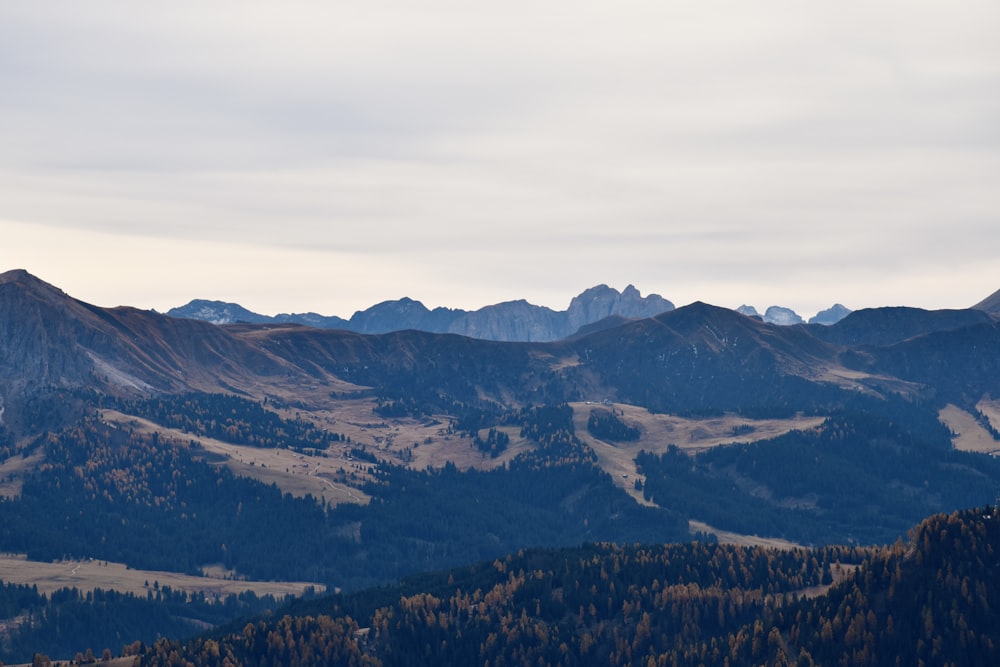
(692,358)
(598,307)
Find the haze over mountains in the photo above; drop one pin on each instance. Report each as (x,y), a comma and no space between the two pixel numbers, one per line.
(519,320)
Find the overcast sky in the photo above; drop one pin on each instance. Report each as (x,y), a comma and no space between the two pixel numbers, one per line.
(325,156)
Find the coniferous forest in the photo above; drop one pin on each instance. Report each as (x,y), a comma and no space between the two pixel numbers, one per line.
(696,488)
(928,599)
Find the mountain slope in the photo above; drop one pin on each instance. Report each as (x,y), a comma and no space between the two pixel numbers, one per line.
(53,342)
(468,448)
(926,602)
(696,358)
(706,358)
(890,325)
(990,304)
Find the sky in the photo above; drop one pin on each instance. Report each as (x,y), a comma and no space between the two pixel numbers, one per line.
(327,156)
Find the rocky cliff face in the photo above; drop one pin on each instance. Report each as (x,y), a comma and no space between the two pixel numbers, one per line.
(602,301)
(508,321)
(781,316)
(54,345)
(45,334)
(512,321)
(831,315)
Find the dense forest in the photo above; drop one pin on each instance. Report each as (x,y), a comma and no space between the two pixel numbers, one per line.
(112,494)
(69,622)
(926,600)
(863,477)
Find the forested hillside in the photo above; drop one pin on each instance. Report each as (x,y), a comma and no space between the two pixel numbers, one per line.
(280,452)
(99,623)
(928,600)
(108,493)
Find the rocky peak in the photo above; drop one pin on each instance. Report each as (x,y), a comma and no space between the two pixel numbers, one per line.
(773,315)
(831,315)
(782,316)
(216,312)
(601,301)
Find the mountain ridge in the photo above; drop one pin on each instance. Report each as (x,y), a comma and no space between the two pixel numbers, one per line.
(53,341)
(516,320)
(164,442)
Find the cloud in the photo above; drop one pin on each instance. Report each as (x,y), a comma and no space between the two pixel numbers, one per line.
(468,147)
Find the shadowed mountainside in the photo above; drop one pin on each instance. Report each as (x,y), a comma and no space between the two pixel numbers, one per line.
(161,443)
(508,321)
(697,358)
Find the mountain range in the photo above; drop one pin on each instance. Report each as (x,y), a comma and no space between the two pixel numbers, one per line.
(692,358)
(600,306)
(281,451)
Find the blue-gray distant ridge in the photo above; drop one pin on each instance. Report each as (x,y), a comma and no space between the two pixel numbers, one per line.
(507,321)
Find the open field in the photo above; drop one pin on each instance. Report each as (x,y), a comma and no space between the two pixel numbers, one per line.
(727,537)
(13,469)
(659,431)
(294,473)
(334,475)
(411,442)
(86,575)
(970,434)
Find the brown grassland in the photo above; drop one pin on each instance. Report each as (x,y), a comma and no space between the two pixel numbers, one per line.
(86,575)
(970,436)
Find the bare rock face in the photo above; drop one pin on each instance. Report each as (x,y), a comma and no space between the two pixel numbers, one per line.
(511,321)
(44,334)
(600,302)
(55,346)
(831,315)
(781,316)
(508,321)
(217,312)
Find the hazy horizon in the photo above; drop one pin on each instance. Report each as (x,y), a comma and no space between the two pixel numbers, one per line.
(327,157)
